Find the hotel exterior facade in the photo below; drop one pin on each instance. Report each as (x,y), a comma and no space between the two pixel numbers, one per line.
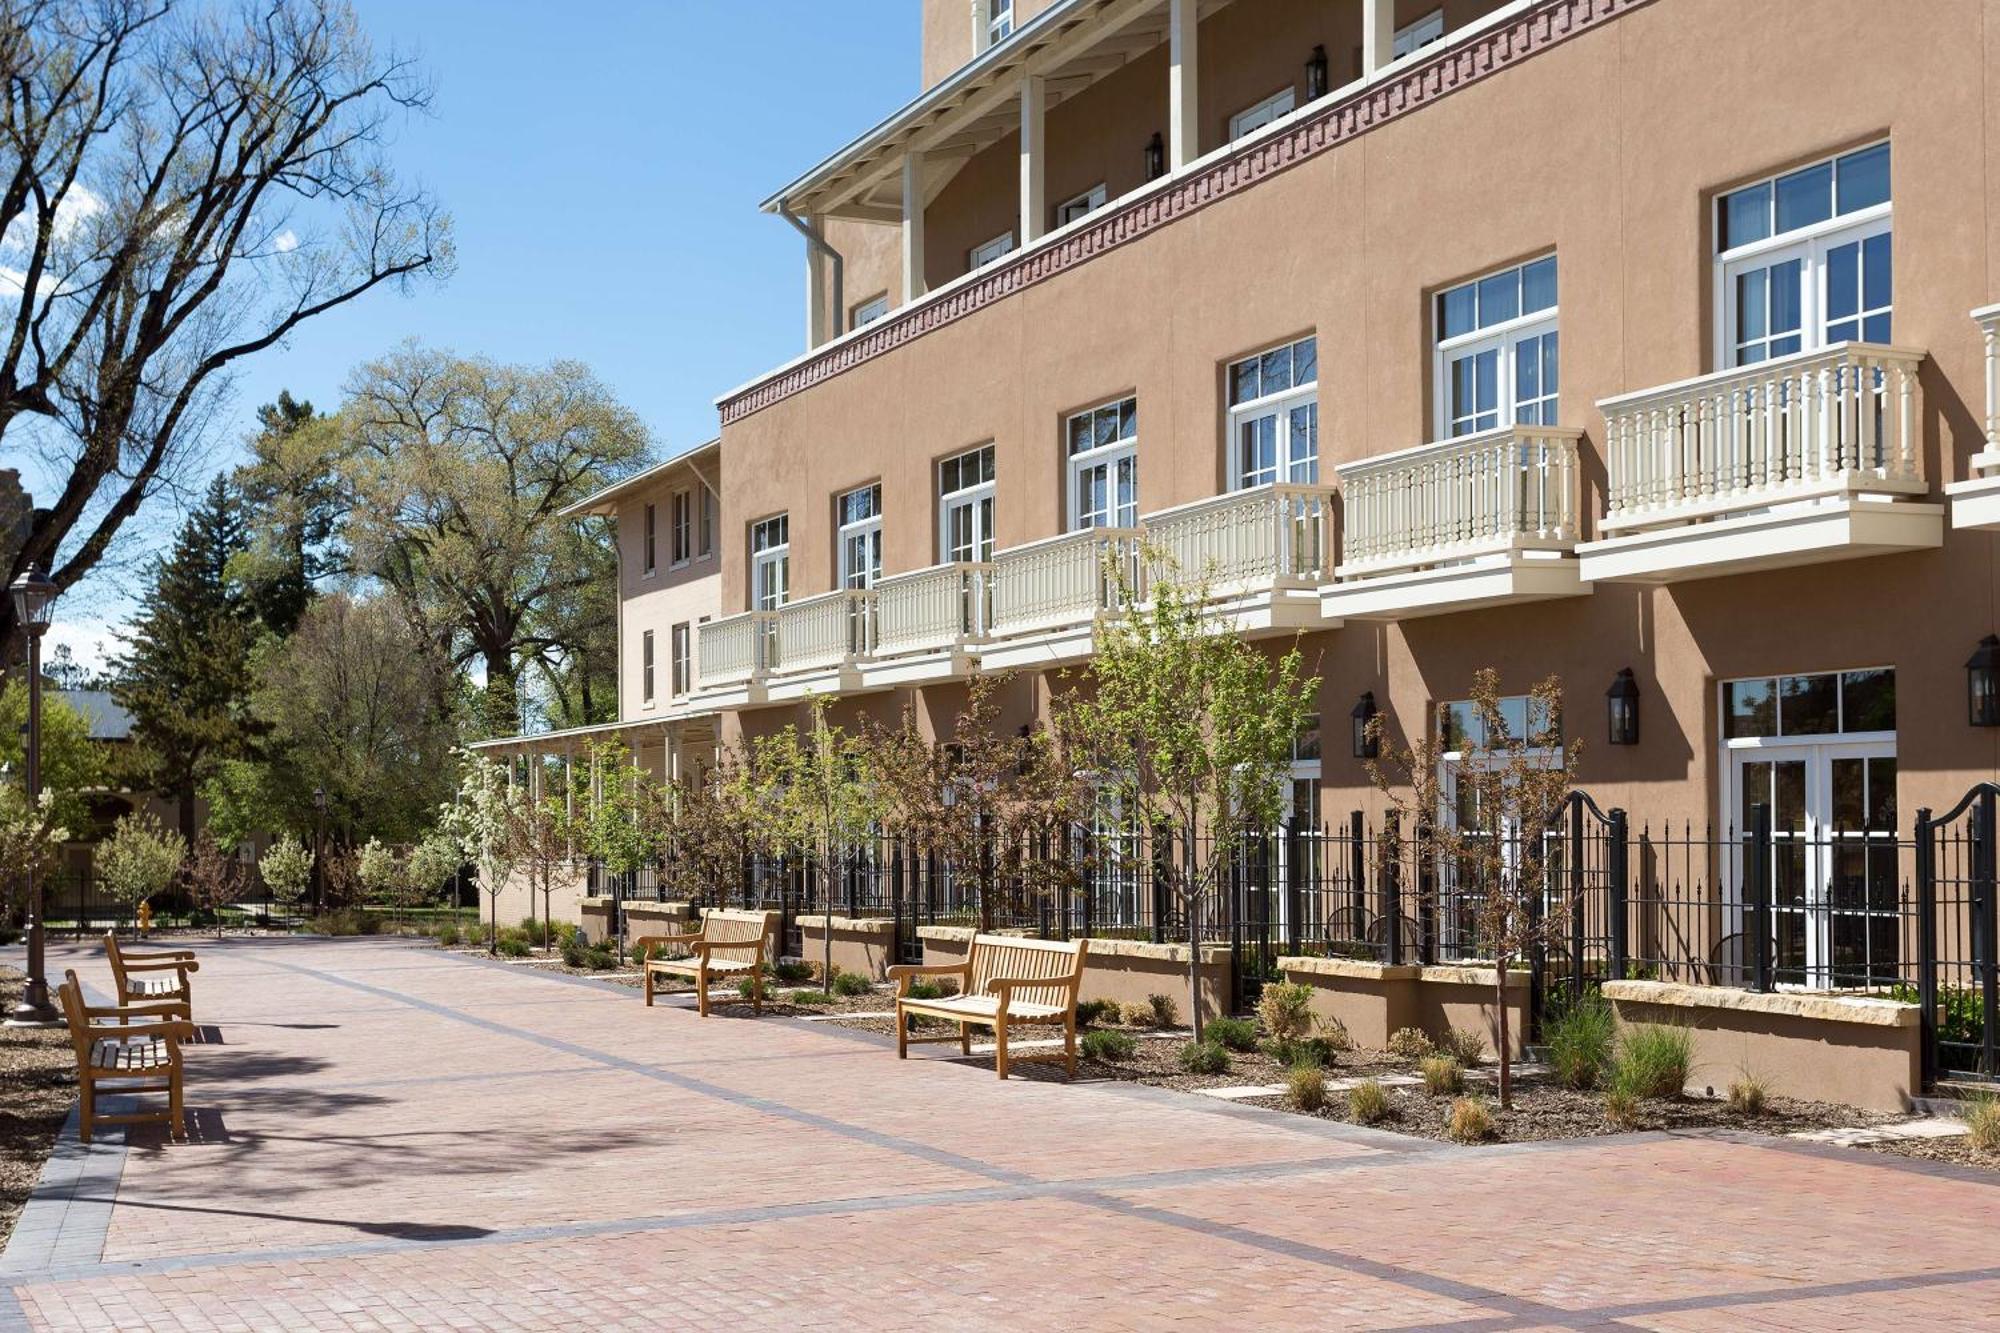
(1584,337)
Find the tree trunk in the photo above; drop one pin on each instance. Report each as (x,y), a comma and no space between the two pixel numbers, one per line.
(826,918)
(502,700)
(185,796)
(1506,1060)
(1194,963)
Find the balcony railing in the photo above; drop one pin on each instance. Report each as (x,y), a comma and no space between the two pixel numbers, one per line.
(1502,490)
(827,630)
(737,648)
(1987,461)
(1063,581)
(944,606)
(1261,538)
(1840,420)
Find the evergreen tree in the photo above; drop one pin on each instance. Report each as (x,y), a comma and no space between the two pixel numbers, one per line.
(295,506)
(186,675)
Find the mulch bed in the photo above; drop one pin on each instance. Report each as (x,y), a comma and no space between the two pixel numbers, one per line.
(1955,1152)
(37,1087)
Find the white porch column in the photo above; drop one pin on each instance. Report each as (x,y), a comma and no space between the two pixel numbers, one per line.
(819,324)
(913,226)
(1378,34)
(1183,83)
(569,804)
(1034,201)
(1988,460)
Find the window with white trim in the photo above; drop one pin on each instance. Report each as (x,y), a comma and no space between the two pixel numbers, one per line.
(858,532)
(681,664)
(999,20)
(1263,113)
(1803,260)
(1083,205)
(1422,32)
(683,519)
(770,562)
(1274,416)
(646,667)
(1103,447)
(982,255)
(965,507)
(867,312)
(1495,362)
(650,544)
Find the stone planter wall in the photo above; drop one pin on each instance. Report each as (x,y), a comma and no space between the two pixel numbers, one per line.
(642,919)
(594,915)
(860,944)
(1127,971)
(1852,1049)
(1374,1000)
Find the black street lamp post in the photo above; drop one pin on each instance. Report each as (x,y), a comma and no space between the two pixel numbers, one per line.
(319,850)
(34,603)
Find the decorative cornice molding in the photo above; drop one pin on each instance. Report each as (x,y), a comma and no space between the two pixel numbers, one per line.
(1527,34)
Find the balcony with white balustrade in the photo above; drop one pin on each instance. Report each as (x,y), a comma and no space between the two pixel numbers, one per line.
(1975,501)
(1049,595)
(929,625)
(820,643)
(1261,554)
(1805,458)
(1479,521)
(735,656)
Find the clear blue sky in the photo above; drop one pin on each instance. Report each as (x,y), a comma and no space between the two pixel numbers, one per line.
(603,163)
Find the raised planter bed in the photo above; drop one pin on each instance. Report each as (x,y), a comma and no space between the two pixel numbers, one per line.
(1373,1000)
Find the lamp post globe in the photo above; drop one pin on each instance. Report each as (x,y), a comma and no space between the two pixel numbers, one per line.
(34,594)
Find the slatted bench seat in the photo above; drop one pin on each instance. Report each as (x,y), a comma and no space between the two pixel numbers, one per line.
(140,1051)
(154,976)
(1005,982)
(730,944)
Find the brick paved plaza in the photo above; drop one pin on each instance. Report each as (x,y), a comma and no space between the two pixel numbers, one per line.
(391,1138)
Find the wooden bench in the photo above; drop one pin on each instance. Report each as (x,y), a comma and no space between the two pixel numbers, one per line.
(155,976)
(1004,982)
(131,1055)
(730,944)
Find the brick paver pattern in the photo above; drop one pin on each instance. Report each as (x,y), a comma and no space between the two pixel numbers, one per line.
(390,1138)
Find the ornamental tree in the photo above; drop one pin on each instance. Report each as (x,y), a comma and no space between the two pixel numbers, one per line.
(139,859)
(287,867)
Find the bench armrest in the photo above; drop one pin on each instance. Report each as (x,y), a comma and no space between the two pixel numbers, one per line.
(170,1030)
(904,973)
(170,965)
(652,941)
(157,956)
(162,1009)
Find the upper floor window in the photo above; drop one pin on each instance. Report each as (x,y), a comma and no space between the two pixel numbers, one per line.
(869,311)
(982,255)
(650,543)
(1256,117)
(1802,260)
(1495,363)
(1103,446)
(646,667)
(999,20)
(1274,416)
(705,525)
(965,506)
(1522,718)
(683,513)
(681,663)
(770,562)
(1069,210)
(859,516)
(1423,32)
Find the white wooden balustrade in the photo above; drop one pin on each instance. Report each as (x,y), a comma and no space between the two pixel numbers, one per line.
(1502,490)
(1987,461)
(1840,420)
(1278,535)
(1063,581)
(932,609)
(736,648)
(827,630)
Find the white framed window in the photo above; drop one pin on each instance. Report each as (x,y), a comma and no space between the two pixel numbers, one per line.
(683,530)
(999,20)
(965,507)
(858,532)
(649,544)
(1495,362)
(770,562)
(1103,449)
(1083,205)
(982,255)
(867,312)
(704,536)
(1803,260)
(1422,32)
(1256,117)
(646,668)
(681,664)
(1274,416)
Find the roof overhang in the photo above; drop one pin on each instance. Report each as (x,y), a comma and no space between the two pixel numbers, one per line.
(699,460)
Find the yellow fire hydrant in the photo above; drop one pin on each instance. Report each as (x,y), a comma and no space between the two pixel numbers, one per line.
(145,918)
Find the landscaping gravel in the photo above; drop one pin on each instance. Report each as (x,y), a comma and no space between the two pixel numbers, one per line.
(37,1087)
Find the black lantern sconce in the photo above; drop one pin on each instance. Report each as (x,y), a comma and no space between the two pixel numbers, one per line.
(1316,75)
(1367,741)
(1982,683)
(1156,157)
(1621,708)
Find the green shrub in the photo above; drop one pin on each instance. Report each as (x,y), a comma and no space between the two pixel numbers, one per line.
(1316,1051)
(641,953)
(1621,1108)
(1410,1043)
(1982,1122)
(1471,1121)
(1096,1011)
(1165,1012)
(922,988)
(513,946)
(1580,1039)
(1367,1102)
(448,937)
(810,998)
(851,984)
(1747,1095)
(573,953)
(1285,1010)
(1653,1060)
(1305,1087)
(1112,1046)
(1238,1034)
(1204,1057)
(601,958)
(1463,1045)
(745,987)
(1137,1015)
(1443,1076)
(791,970)
(1333,1033)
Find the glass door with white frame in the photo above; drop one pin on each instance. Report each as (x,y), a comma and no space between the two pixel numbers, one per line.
(770,563)
(1819,751)
(859,514)
(1274,416)
(1103,446)
(965,526)
(1496,360)
(1465,750)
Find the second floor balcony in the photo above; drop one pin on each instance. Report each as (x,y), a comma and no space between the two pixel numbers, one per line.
(1975,500)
